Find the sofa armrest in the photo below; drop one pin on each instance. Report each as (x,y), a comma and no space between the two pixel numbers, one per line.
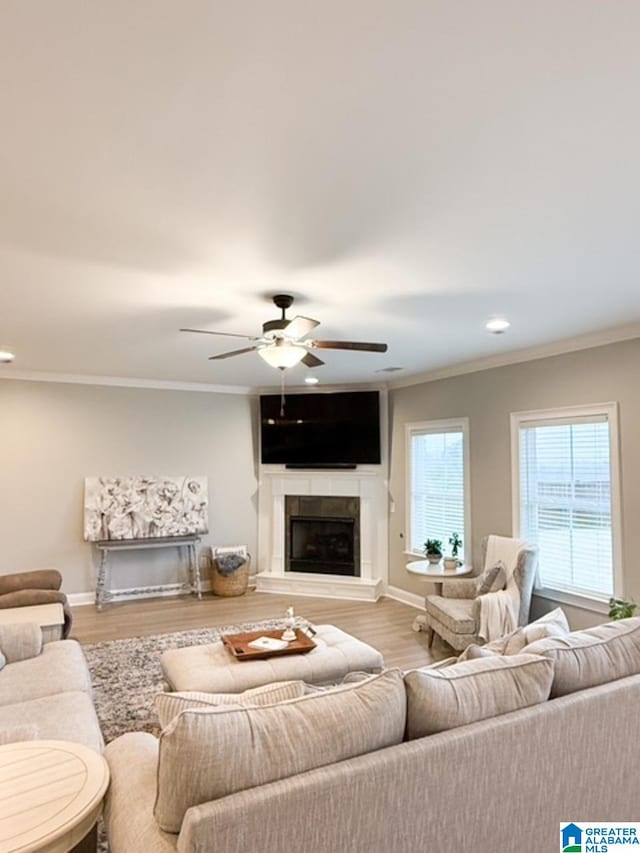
(19,641)
(39,579)
(128,811)
(461,588)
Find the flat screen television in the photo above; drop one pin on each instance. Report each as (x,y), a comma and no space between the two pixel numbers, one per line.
(322,430)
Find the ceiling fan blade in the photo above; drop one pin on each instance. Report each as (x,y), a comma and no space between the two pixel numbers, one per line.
(299,327)
(310,360)
(352,345)
(232,353)
(224,334)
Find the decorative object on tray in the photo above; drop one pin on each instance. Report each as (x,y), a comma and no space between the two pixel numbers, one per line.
(451,563)
(230,570)
(433,550)
(240,645)
(144,507)
(290,621)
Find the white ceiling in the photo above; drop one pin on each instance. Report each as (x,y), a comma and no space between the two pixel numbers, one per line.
(408,169)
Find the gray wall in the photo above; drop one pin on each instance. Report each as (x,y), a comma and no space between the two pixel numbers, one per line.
(53,435)
(487,398)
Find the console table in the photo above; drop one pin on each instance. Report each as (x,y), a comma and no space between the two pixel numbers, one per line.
(108,546)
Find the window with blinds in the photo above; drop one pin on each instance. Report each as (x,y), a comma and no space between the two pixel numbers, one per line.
(437,478)
(565,501)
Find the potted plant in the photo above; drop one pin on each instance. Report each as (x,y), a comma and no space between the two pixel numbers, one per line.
(451,563)
(433,550)
(621,609)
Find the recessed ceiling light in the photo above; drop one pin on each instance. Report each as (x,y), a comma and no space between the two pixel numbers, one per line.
(6,356)
(311,380)
(497,325)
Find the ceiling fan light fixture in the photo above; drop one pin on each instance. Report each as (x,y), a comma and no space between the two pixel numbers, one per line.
(497,325)
(282,354)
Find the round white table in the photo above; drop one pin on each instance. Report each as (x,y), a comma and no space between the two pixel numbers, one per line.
(436,574)
(50,796)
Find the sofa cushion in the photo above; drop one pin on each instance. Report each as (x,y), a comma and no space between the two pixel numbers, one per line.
(18,733)
(61,667)
(207,753)
(595,656)
(169,705)
(441,699)
(64,716)
(456,614)
(20,641)
(493,579)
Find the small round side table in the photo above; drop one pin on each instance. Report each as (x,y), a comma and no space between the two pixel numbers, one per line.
(437,574)
(50,796)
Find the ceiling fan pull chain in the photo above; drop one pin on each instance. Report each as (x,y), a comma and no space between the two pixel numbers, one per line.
(282,400)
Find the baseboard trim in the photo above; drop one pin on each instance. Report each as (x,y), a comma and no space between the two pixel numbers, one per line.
(82,599)
(410,598)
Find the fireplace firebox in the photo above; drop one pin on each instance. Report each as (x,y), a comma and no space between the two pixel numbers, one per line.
(322,535)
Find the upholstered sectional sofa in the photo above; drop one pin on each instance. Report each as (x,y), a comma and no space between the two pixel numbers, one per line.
(489,754)
(45,689)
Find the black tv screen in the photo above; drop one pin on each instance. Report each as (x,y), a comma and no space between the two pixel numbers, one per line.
(321,429)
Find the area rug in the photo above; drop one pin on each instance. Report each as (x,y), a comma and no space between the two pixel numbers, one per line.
(126,674)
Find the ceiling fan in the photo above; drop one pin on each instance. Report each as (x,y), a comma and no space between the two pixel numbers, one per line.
(283,342)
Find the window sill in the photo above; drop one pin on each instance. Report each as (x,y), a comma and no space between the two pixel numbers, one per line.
(594,605)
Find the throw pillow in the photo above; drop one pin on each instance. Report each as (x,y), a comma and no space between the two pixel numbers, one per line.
(441,699)
(230,563)
(492,579)
(596,656)
(474,651)
(207,753)
(169,705)
(552,624)
(20,641)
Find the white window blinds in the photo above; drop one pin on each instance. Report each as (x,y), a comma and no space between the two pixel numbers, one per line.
(565,502)
(437,478)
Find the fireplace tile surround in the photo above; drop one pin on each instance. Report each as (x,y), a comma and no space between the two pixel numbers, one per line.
(322,534)
(366,487)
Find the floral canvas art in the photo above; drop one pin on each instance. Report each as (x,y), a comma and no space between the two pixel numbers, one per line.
(144,507)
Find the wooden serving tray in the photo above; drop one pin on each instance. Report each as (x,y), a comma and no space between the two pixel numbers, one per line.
(237,644)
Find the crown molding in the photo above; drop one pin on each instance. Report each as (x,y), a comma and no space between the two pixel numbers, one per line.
(122,382)
(613,335)
(319,389)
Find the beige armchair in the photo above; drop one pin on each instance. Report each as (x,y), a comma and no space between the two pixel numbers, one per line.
(456,614)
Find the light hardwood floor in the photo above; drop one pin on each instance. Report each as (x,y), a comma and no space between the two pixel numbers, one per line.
(386,625)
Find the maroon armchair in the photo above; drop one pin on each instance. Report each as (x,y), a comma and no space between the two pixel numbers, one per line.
(39,587)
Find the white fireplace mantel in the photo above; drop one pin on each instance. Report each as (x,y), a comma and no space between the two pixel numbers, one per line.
(365,482)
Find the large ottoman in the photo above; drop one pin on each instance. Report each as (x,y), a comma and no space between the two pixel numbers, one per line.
(212,669)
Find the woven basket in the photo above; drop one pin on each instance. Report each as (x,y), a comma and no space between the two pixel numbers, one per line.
(230,585)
